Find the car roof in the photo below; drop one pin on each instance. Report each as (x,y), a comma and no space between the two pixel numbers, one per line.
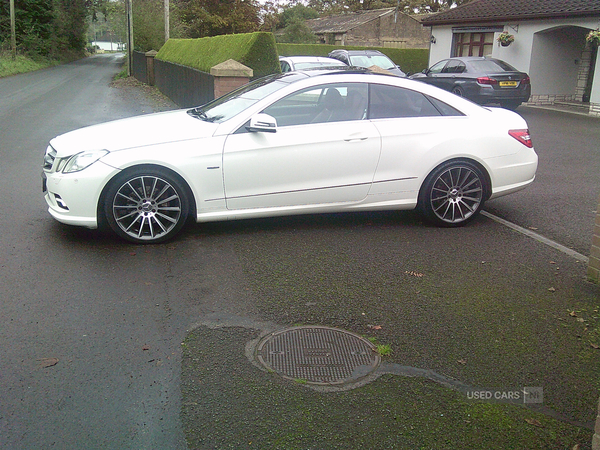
(327,71)
(310,58)
(358,52)
(474,58)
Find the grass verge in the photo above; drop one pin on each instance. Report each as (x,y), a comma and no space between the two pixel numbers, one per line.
(22,64)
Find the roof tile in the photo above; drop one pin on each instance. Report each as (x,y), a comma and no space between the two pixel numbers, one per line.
(486,10)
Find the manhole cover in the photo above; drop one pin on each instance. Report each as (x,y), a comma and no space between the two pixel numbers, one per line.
(318,355)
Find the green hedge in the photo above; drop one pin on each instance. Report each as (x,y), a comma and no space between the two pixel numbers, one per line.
(254,50)
(409,59)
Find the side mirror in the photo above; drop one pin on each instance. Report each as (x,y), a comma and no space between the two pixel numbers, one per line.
(263,123)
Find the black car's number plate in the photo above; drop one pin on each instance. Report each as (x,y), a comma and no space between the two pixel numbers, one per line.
(508,84)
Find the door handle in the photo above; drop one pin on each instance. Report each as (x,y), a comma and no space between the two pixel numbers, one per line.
(356,138)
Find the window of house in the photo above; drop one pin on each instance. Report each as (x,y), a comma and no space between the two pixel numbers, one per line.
(473,44)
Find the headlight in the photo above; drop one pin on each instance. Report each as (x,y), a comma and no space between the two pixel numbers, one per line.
(83,160)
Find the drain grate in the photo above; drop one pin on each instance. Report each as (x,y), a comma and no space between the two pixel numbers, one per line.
(318,355)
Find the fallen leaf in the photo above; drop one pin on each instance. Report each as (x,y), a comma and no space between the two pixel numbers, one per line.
(48,362)
(572,313)
(462,361)
(145,348)
(414,274)
(596,346)
(576,447)
(374,327)
(534,422)
(552,289)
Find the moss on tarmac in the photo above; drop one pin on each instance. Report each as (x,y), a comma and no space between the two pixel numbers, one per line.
(500,314)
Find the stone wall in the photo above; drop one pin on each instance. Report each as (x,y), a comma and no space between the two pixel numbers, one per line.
(387,31)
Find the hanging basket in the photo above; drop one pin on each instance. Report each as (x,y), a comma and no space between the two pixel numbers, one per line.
(505,39)
(593,38)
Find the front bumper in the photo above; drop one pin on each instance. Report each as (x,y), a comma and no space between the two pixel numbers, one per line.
(73,198)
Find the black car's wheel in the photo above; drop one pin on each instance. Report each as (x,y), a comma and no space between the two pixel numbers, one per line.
(146,205)
(458,91)
(453,194)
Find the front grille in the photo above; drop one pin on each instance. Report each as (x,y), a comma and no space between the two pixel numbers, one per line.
(49,158)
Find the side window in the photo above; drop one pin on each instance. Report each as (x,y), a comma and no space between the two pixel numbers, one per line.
(454,66)
(437,68)
(386,102)
(285,67)
(324,103)
(444,108)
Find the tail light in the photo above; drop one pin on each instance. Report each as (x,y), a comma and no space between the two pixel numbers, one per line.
(526,80)
(522,136)
(486,80)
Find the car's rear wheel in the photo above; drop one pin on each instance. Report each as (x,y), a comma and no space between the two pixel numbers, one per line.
(146,205)
(453,194)
(458,91)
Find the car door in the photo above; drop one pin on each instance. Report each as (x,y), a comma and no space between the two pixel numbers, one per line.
(452,76)
(415,131)
(435,74)
(322,153)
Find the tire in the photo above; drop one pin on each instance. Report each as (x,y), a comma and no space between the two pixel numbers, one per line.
(146,205)
(457,91)
(453,194)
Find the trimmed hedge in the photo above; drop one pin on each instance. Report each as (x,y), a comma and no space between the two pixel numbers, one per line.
(254,50)
(409,59)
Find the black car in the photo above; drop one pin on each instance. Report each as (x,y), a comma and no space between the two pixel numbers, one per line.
(480,79)
(366,59)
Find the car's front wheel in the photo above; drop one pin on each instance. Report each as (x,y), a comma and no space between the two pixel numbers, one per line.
(146,205)
(453,194)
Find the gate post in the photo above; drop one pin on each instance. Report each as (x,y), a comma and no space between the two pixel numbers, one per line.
(150,66)
(230,75)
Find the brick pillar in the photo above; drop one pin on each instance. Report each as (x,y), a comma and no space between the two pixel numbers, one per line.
(150,66)
(230,75)
(594,265)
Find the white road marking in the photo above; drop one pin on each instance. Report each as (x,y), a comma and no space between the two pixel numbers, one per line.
(578,256)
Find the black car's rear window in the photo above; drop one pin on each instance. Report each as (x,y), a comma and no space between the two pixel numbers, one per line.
(490,66)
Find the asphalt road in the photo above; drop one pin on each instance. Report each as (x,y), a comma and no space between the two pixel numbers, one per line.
(91,327)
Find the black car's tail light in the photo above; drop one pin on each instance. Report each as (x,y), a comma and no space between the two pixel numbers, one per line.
(522,136)
(487,80)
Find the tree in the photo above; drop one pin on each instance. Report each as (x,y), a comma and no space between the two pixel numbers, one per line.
(33,25)
(296,12)
(409,6)
(297,32)
(201,18)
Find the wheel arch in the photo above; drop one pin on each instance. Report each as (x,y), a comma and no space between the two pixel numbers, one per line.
(102,222)
(487,179)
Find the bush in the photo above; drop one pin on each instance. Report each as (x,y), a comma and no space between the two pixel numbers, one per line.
(410,60)
(254,50)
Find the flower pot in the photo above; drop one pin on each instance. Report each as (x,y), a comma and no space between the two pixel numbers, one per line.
(504,44)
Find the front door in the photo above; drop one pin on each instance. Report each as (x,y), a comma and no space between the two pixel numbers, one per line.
(323,152)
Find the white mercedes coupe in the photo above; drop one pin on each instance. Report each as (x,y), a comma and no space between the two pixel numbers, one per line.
(308,142)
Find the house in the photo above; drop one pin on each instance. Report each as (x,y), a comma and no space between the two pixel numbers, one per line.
(549,43)
(386,27)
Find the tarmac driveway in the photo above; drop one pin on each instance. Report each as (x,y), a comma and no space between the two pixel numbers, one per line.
(474,318)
